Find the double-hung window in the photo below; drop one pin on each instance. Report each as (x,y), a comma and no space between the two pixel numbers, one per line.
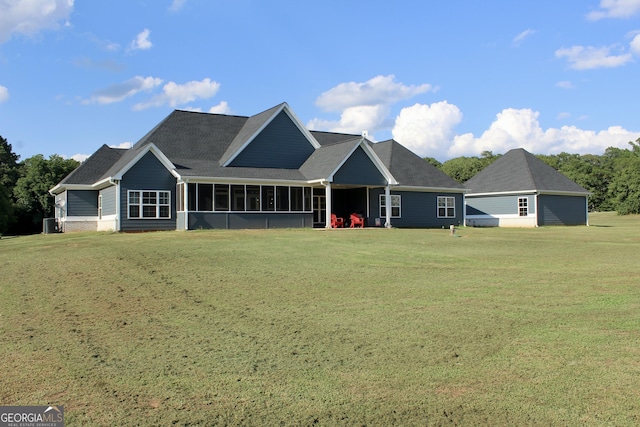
(446,207)
(149,204)
(523,206)
(395,206)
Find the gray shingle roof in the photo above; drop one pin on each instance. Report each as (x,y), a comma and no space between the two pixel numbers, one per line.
(518,170)
(326,159)
(409,169)
(93,168)
(197,144)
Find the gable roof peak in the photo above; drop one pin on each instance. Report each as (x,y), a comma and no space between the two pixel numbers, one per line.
(256,124)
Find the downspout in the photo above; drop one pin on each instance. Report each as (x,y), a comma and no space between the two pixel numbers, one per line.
(387,203)
(329,209)
(535,204)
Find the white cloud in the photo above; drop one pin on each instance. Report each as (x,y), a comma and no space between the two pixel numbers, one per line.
(4,94)
(176,5)
(354,120)
(29,17)
(121,91)
(615,9)
(635,44)
(221,108)
(584,58)
(427,130)
(380,90)
(364,106)
(174,94)
(141,42)
(565,85)
(122,145)
(80,157)
(514,128)
(517,40)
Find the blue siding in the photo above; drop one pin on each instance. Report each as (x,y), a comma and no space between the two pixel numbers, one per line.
(498,205)
(147,174)
(418,209)
(562,210)
(82,203)
(359,170)
(280,145)
(232,220)
(108,201)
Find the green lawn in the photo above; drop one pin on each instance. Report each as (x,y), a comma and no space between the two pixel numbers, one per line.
(328,327)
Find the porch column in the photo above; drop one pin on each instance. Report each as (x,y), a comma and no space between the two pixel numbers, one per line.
(586,201)
(329,209)
(117,221)
(387,204)
(186,205)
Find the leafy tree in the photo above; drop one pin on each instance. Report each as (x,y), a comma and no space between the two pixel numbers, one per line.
(31,192)
(464,168)
(434,162)
(7,216)
(8,176)
(589,171)
(624,188)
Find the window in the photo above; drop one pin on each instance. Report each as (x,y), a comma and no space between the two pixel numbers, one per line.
(149,204)
(205,197)
(221,197)
(134,204)
(297,203)
(235,198)
(395,206)
(446,207)
(268,198)
(193,196)
(307,199)
(282,198)
(253,197)
(100,206)
(523,206)
(237,192)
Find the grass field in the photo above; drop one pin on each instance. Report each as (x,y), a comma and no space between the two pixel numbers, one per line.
(326,327)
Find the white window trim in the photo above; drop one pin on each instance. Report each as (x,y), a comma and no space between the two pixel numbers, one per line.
(526,206)
(446,207)
(141,204)
(382,204)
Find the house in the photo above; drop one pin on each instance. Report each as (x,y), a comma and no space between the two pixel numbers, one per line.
(520,190)
(198,170)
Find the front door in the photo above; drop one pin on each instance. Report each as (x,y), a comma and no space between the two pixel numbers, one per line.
(319,210)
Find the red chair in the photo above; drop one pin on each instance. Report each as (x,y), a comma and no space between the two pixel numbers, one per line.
(356,220)
(336,222)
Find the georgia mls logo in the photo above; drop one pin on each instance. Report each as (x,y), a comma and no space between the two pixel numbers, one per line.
(31,416)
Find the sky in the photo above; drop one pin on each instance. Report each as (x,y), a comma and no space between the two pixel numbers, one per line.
(443,78)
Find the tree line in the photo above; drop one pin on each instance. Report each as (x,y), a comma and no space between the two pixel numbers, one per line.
(24,189)
(613,178)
